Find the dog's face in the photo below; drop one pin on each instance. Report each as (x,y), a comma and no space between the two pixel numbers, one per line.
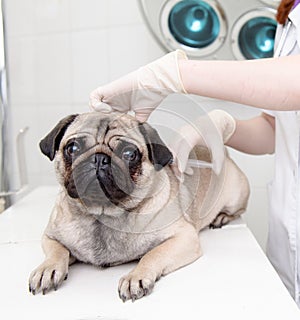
(106,159)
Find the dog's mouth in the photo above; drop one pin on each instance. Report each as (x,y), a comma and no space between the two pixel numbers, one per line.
(100,181)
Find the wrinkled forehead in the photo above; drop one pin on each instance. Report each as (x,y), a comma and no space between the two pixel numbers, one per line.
(100,125)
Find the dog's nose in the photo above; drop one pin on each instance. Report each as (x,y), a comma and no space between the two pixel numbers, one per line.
(102,160)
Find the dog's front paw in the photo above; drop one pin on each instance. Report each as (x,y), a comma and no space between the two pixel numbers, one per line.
(49,275)
(135,286)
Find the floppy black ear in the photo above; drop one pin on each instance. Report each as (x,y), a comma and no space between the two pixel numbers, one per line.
(159,154)
(50,144)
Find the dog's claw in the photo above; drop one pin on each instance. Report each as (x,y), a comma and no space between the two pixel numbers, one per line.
(133,288)
(146,291)
(46,277)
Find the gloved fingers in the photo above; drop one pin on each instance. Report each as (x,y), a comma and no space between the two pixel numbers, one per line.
(224,122)
(180,149)
(183,143)
(96,101)
(140,116)
(189,171)
(101,107)
(103,103)
(179,173)
(116,94)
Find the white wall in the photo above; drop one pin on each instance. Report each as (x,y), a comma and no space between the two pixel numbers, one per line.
(60,50)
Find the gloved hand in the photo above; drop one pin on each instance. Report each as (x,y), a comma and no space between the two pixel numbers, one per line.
(200,133)
(141,91)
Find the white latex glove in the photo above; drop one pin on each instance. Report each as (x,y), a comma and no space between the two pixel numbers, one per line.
(141,91)
(200,133)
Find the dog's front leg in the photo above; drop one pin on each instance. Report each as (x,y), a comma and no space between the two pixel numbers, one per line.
(54,270)
(178,251)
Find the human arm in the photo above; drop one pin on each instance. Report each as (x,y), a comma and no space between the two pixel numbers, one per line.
(254,136)
(264,83)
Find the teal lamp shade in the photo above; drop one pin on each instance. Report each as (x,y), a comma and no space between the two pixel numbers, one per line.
(194,23)
(256,38)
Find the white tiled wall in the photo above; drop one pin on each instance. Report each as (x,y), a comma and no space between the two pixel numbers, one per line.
(60,50)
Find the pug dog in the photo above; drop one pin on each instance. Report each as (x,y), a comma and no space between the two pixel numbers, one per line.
(120,201)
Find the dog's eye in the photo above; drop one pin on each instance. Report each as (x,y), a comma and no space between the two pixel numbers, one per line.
(73,148)
(129,154)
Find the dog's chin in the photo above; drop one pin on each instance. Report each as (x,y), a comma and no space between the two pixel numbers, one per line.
(95,194)
(94,197)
